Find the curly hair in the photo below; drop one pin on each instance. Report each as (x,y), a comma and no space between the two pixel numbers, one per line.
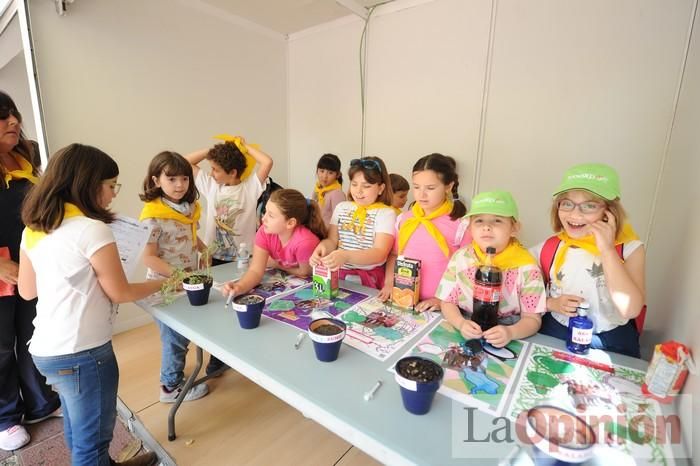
(228,157)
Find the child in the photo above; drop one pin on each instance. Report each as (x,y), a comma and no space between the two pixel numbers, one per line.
(291,229)
(69,259)
(328,191)
(599,259)
(362,229)
(172,211)
(493,222)
(400,187)
(231,191)
(433,229)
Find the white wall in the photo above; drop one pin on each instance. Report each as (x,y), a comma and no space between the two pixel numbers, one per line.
(674,253)
(135,78)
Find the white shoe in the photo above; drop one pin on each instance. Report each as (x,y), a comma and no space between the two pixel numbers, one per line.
(195,393)
(14,438)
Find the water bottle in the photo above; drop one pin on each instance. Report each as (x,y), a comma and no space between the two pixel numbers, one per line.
(243,257)
(487,293)
(580,330)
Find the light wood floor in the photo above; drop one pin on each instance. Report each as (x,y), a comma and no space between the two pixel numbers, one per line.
(237,423)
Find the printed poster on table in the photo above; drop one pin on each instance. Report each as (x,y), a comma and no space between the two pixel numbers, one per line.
(295,308)
(380,330)
(483,381)
(607,396)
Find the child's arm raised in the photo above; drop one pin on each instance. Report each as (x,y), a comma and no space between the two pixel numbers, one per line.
(625,280)
(252,277)
(263,160)
(194,158)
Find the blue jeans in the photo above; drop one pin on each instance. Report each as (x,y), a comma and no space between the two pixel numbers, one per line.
(87,384)
(172,356)
(623,339)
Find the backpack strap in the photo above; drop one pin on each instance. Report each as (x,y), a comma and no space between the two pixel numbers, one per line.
(549,250)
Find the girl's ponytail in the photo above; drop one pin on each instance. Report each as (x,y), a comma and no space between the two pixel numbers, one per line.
(314,220)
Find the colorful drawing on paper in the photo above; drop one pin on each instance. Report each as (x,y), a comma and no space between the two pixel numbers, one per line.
(295,308)
(379,329)
(276,282)
(606,396)
(481,380)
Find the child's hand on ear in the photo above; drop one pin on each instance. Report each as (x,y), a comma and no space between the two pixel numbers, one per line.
(604,231)
(498,336)
(335,259)
(470,329)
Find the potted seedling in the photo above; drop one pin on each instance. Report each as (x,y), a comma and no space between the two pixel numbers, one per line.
(327,335)
(198,284)
(419,379)
(248,309)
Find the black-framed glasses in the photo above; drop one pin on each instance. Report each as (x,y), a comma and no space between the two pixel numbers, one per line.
(369,164)
(5,113)
(587,207)
(116,187)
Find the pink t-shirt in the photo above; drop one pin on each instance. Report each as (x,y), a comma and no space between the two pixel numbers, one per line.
(422,246)
(296,251)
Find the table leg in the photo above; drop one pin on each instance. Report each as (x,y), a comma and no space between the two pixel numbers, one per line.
(192,380)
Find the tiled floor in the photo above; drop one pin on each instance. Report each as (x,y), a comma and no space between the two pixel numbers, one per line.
(48,448)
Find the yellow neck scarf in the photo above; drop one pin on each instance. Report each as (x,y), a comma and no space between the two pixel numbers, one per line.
(156,209)
(25,171)
(32,237)
(419,218)
(321,192)
(249,160)
(360,215)
(587,243)
(397,210)
(512,257)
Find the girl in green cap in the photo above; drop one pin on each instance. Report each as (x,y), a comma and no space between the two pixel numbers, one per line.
(494,224)
(596,257)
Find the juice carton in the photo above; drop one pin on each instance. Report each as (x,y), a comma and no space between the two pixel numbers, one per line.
(325,282)
(406,291)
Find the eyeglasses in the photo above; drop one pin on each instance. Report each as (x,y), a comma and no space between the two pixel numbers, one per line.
(5,113)
(369,164)
(587,207)
(116,187)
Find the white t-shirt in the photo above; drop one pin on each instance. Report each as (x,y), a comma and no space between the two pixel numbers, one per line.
(231,213)
(73,313)
(377,221)
(582,275)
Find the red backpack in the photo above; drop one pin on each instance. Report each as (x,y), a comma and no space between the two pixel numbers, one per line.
(549,250)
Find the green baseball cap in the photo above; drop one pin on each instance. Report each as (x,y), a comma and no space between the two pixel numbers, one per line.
(597,178)
(494,203)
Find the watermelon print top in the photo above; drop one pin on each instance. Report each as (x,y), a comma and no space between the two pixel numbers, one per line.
(522,289)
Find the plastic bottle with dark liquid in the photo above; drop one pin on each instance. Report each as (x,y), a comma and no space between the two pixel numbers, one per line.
(487,293)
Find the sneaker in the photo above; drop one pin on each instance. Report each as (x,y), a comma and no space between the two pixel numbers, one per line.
(13,438)
(195,393)
(147,459)
(215,365)
(57,413)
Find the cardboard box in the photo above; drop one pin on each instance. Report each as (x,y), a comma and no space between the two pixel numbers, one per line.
(325,282)
(406,291)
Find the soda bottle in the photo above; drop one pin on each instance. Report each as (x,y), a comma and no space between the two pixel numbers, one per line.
(487,293)
(580,330)
(243,257)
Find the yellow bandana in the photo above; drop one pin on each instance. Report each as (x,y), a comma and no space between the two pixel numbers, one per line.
(587,243)
(156,209)
(32,237)
(25,171)
(360,215)
(397,210)
(512,257)
(249,160)
(321,192)
(419,218)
